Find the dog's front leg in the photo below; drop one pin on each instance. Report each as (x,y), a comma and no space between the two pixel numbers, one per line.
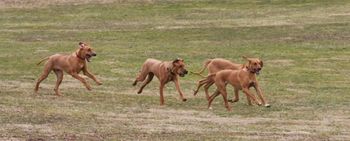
(177,85)
(261,96)
(87,73)
(161,88)
(250,96)
(82,80)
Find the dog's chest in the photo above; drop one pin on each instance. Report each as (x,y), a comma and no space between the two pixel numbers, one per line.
(170,77)
(251,84)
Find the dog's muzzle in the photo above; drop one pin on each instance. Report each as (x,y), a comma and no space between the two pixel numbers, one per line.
(183,73)
(88,56)
(257,71)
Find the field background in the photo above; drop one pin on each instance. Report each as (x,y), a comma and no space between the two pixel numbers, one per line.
(304,45)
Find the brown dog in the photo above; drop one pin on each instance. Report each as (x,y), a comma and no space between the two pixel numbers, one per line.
(165,72)
(71,64)
(241,79)
(213,66)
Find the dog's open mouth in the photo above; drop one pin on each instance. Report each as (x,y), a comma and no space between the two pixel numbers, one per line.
(88,56)
(257,72)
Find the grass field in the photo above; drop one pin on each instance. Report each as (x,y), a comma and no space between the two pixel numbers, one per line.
(304,45)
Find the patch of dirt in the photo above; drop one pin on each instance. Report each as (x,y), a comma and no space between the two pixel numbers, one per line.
(168,120)
(43,128)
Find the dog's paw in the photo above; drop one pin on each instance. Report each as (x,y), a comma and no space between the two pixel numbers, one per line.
(89,88)
(232,101)
(195,92)
(99,83)
(267,105)
(210,108)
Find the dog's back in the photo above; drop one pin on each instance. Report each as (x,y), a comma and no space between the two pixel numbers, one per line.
(218,64)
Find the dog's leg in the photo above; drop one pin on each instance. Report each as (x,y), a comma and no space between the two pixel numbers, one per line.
(249,100)
(43,76)
(82,80)
(178,88)
(212,97)
(261,96)
(88,74)
(236,99)
(199,85)
(161,87)
(224,95)
(142,75)
(149,79)
(59,75)
(206,88)
(250,96)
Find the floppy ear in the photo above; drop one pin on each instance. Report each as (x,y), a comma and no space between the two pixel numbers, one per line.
(177,60)
(81,44)
(261,63)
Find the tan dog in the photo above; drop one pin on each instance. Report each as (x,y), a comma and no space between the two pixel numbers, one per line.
(165,72)
(213,66)
(241,79)
(71,64)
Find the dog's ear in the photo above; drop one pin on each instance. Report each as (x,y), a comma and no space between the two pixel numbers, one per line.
(261,63)
(81,44)
(246,58)
(177,60)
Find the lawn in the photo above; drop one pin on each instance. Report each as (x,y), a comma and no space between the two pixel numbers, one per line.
(305,46)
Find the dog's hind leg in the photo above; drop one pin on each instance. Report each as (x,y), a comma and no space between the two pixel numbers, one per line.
(141,76)
(199,85)
(59,75)
(145,82)
(212,97)
(224,95)
(236,99)
(43,76)
(206,88)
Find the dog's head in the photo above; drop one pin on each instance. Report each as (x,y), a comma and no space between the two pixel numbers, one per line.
(254,65)
(179,67)
(85,51)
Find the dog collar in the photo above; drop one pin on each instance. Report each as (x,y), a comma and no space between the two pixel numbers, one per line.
(79,56)
(246,67)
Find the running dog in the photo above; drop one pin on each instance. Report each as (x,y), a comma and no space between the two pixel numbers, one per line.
(165,71)
(71,64)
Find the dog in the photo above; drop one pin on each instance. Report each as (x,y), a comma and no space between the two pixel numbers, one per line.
(241,79)
(213,66)
(71,64)
(165,71)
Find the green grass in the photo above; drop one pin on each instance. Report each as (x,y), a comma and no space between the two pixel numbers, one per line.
(304,45)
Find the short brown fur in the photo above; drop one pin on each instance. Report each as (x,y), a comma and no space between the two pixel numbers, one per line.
(71,64)
(165,71)
(213,66)
(241,79)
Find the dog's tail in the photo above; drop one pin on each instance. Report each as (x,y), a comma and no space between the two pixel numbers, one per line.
(42,60)
(205,65)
